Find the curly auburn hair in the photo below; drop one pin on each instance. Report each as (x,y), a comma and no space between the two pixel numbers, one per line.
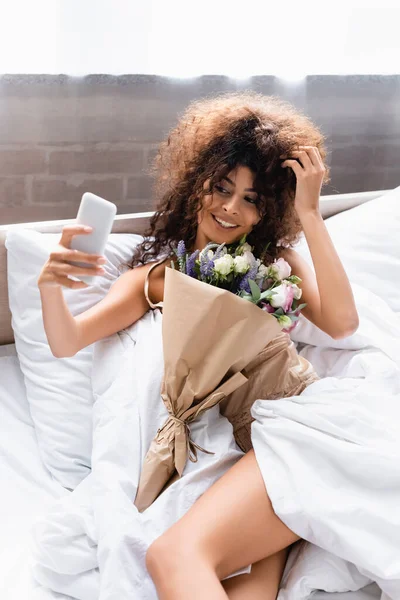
(215,135)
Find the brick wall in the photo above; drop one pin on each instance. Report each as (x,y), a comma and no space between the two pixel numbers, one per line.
(61,136)
(50,180)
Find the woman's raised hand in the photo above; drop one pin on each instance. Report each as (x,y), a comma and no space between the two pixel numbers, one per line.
(57,268)
(309,168)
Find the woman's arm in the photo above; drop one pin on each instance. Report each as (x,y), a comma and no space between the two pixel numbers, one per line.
(328,293)
(123,304)
(330,301)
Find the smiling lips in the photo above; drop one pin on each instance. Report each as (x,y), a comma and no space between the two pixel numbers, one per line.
(224,224)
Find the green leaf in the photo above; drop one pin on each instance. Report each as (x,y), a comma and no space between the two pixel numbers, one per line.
(301,306)
(267,246)
(255,290)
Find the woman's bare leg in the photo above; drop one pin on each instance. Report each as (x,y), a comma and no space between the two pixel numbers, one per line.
(231,526)
(262,583)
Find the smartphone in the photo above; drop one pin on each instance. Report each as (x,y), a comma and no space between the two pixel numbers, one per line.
(99,214)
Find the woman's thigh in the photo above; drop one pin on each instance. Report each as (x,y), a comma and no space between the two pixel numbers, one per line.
(232,525)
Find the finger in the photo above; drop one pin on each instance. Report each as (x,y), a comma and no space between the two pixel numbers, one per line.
(293,159)
(304,157)
(67,255)
(297,168)
(313,154)
(69,231)
(315,158)
(77,255)
(318,157)
(288,154)
(70,283)
(65,268)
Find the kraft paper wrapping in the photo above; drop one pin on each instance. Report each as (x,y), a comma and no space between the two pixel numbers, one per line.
(209,336)
(278,371)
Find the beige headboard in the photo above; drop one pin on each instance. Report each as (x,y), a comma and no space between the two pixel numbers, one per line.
(137,223)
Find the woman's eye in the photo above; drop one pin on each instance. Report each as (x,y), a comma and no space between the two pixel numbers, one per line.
(222,190)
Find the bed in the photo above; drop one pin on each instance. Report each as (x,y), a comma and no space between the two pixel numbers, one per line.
(28,484)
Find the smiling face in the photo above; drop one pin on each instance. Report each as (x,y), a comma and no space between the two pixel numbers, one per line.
(230,211)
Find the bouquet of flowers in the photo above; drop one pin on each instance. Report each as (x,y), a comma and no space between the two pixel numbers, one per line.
(236,269)
(210,336)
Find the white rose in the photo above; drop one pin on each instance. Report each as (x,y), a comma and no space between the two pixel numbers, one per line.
(262,272)
(224,265)
(280,269)
(279,297)
(240,264)
(249,257)
(282,297)
(297,291)
(246,247)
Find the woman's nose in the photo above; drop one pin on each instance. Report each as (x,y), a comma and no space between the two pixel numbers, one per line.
(231,205)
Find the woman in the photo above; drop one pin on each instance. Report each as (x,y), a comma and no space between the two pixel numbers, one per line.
(237,163)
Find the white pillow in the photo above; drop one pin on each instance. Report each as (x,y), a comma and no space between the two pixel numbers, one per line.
(59,390)
(366,240)
(378,324)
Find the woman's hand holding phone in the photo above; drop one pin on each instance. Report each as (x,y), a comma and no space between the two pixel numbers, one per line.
(57,268)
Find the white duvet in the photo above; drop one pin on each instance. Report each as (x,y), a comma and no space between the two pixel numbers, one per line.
(330,459)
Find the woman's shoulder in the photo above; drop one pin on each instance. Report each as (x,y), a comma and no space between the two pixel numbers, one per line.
(156,268)
(283,251)
(291,256)
(154,271)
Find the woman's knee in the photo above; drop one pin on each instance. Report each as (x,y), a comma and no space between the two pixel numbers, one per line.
(156,555)
(163,555)
(169,553)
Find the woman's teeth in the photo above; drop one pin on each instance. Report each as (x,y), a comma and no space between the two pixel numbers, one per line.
(224,224)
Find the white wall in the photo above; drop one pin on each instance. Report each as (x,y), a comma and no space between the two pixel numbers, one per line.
(185,38)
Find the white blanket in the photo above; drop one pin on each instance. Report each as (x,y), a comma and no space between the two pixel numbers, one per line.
(329,458)
(92,545)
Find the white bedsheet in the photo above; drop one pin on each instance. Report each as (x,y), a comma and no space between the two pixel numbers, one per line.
(92,544)
(27,489)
